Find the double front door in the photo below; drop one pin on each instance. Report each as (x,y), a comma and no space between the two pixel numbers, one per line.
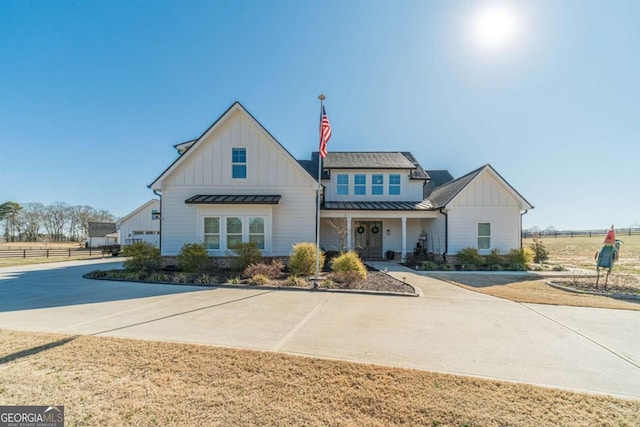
(368,239)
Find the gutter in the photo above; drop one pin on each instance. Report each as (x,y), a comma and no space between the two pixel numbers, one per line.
(446,234)
(160,219)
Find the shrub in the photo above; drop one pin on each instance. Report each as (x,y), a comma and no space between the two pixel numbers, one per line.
(235,281)
(143,257)
(446,267)
(469,267)
(540,253)
(181,278)
(469,256)
(272,271)
(558,268)
(495,267)
(158,277)
(294,280)
(97,274)
(494,258)
(246,254)
(259,280)
(303,259)
(521,256)
(429,266)
(517,267)
(349,262)
(204,279)
(194,258)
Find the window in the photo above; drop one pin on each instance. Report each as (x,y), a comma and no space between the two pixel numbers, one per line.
(377,185)
(484,235)
(234,231)
(238,163)
(212,233)
(256,231)
(394,185)
(360,185)
(343,185)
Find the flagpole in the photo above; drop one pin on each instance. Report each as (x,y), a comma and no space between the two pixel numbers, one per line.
(321,97)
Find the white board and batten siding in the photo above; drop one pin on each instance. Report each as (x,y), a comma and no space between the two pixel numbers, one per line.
(486,199)
(207,171)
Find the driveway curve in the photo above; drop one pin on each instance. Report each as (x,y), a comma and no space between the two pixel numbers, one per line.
(448,329)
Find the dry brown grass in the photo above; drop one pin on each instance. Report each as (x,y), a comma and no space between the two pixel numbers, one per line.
(109,381)
(523,289)
(580,251)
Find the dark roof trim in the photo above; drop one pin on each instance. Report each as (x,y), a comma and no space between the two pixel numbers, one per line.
(230,199)
(378,206)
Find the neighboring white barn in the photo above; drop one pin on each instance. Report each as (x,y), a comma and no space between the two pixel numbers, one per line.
(140,225)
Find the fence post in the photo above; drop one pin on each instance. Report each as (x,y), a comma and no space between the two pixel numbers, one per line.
(69,252)
(24,253)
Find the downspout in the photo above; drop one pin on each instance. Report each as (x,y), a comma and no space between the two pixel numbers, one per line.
(446,234)
(160,219)
(521,214)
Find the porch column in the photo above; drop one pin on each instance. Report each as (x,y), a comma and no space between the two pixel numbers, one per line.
(349,246)
(404,237)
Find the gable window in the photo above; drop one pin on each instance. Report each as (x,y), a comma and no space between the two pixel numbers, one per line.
(377,184)
(234,231)
(343,185)
(484,235)
(394,185)
(256,231)
(238,163)
(360,185)
(212,233)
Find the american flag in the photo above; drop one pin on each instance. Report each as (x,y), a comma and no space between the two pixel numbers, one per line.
(325,133)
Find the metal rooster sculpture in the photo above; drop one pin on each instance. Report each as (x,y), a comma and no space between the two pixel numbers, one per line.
(607,255)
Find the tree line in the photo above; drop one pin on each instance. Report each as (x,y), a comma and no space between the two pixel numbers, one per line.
(57,222)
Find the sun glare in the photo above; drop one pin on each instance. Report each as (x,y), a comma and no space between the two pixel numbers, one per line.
(495,27)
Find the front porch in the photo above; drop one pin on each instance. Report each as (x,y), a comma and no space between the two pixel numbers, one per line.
(375,234)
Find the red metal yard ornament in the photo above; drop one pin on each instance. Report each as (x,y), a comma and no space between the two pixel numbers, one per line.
(607,255)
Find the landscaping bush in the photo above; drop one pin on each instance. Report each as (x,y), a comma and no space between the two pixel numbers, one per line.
(246,254)
(540,253)
(294,280)
(520,257)
(517,267)
(194,258)
(95,274)
(272,271)
(469,256)
(158,277)
(469,267)
(349,262)
(259,280)
(347,278)
(494,258)
(181,278)
(446,267)
(143,257)
(429,266)
(204,279)
(495,267)
(303,259)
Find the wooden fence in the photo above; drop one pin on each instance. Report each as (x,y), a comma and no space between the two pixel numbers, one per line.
(580,233)
(48,253)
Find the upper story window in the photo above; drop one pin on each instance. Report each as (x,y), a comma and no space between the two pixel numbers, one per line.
(394,185)
(343,185)
(377,184)
(484,235)
(238,163)
(360,184)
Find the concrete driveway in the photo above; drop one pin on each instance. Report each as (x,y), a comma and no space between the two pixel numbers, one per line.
(449,329)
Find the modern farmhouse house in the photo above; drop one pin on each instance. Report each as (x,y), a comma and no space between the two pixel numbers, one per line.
(140,225)
(237,183)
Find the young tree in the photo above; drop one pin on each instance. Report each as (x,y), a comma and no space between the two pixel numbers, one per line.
(9,213)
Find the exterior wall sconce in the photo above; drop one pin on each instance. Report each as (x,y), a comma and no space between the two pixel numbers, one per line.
(388,232)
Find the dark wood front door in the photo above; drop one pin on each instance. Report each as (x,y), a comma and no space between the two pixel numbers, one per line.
(368,239)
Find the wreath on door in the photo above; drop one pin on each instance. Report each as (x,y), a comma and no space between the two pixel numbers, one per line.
(360,230)
(375,229)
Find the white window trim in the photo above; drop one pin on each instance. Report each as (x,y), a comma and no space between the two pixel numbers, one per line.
(219,234)
(378,185)
(246,163)
(360,185)
(399,185)
(490,236)
(338,184)
(224,247)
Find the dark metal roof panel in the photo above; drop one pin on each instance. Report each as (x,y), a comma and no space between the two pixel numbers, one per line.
(379,206)
(234,199)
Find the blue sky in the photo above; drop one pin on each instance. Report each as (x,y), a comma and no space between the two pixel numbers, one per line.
(94,94)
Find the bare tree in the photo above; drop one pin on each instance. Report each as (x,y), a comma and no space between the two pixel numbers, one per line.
(55,218)
(339,227)
(30,221)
